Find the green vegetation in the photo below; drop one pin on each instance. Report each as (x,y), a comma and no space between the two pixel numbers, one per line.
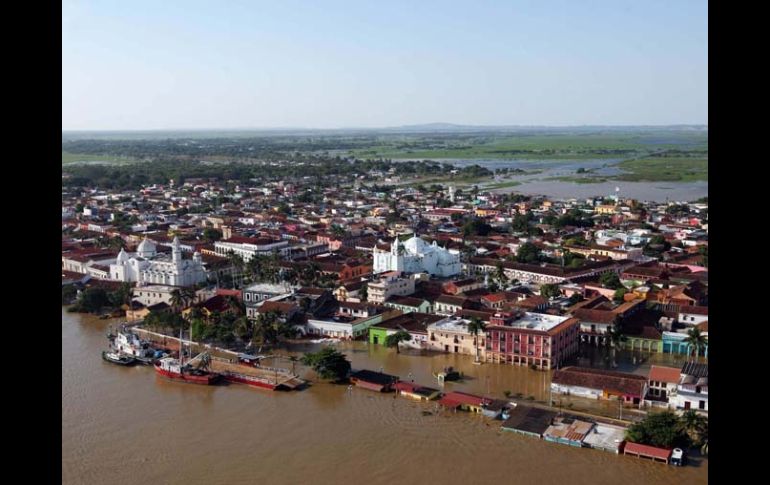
(96,299)
(502,185)
(328,363)
(610,280)
(394,339)
(664,169)
(70,158)
(554,145)
(550,291)
(667,430)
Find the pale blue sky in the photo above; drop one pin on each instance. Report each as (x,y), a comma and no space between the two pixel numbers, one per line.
(165,64)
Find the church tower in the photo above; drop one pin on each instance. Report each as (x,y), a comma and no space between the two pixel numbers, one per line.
(176,253)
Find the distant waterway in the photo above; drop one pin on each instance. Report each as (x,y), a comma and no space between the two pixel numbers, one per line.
(127,426)
(539,184)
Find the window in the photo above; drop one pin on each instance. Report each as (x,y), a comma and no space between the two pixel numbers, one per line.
(701,404)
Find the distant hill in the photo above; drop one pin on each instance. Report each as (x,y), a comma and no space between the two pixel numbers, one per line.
(412,129)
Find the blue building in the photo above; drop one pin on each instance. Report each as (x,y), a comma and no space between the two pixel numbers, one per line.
(674,343)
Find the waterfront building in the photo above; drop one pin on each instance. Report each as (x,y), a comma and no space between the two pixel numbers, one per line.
(599,384)
(544,341)
(452,335)
(692,390)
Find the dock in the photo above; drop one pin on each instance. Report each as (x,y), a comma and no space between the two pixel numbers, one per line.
(272,376)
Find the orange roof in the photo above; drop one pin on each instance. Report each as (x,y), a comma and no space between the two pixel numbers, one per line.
(664,374)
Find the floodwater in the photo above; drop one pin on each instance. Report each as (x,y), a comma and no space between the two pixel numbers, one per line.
(127,426)
(537,183)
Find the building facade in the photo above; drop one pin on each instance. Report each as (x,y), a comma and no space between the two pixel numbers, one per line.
(531,339)
(417,256)
(147,267)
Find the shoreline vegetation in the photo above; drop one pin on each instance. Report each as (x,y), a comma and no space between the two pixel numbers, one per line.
(667,156)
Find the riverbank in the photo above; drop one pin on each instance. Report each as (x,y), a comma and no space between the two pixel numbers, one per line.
(120,426)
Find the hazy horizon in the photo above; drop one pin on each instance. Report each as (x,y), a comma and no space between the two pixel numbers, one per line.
(299,65)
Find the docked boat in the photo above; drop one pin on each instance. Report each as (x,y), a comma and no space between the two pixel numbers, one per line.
(118,358)
(176,370)
(130,344)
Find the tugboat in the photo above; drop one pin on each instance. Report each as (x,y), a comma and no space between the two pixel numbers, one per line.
(118,358)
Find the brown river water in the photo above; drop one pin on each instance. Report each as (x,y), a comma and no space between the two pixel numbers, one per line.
(127,426)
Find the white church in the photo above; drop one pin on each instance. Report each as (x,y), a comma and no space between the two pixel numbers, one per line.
(417,256)
(147,267)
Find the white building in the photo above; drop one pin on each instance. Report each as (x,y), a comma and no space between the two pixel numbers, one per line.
(388,285)
(692,391)
(147,267)
(416,256)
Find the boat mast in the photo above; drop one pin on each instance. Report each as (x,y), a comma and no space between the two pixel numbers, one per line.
(181,348)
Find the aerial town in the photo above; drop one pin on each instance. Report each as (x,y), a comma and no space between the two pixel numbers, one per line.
(237,269)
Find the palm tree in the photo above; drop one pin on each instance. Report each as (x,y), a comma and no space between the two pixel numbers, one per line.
(177,300)
(235,305)
(615,333)
(696,340)
(696,427)
(394,339)
(500,275)
(338,230)
(475,327)
(188,296)
(237,263)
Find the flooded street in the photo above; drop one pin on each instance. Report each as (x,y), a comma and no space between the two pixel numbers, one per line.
(126,426)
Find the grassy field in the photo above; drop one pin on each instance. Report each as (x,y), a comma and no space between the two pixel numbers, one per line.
(536,147)
(668,169)
(69,158)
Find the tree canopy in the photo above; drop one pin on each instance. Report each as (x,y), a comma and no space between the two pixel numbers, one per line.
(328,363)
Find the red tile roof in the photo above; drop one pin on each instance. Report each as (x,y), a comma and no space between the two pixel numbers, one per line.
(647,450)
(664,374)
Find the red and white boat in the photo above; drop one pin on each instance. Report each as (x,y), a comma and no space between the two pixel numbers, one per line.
(178,370)
(174,369)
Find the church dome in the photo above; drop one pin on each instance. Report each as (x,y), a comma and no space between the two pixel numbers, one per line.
(146,248)
(415,245)
(122,256)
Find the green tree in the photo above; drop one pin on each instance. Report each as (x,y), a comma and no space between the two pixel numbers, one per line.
(475,327)
(177,300)
(92,300)
(660,429)
(528,253)
(695,426)
(550,291)
(394,339)
(500,277)
(619,295)
(696,341)
(610,280)
(704,252)
(211,235)
(328,363)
